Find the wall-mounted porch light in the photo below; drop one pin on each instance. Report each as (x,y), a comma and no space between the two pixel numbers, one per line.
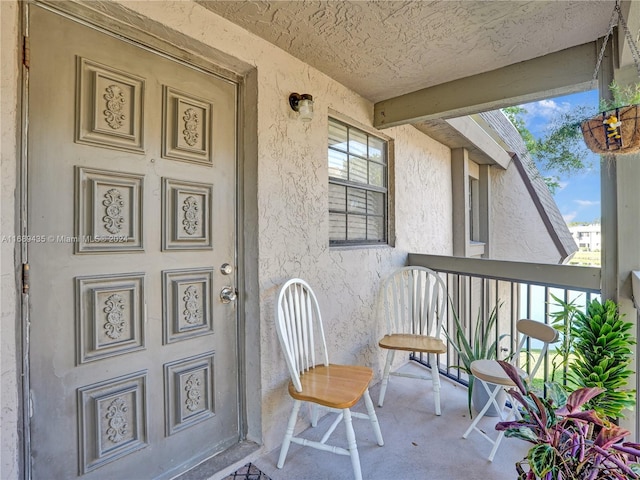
(303,104)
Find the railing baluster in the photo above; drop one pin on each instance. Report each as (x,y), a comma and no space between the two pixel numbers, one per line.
(473,292)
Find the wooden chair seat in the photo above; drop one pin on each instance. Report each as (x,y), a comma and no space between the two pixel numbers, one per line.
(413,343)
(334,386)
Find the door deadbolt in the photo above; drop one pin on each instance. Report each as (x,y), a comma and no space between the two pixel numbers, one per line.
(228,295)
(226,269)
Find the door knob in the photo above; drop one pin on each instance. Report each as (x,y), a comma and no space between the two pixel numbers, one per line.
(228,295)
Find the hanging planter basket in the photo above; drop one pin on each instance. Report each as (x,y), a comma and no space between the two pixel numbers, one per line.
(617,130)
(613,132)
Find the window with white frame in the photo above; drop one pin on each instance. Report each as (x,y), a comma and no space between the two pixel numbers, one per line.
(358,186)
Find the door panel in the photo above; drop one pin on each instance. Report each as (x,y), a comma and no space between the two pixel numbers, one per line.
(131,188)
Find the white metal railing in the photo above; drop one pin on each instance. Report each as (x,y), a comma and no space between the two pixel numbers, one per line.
(521,290)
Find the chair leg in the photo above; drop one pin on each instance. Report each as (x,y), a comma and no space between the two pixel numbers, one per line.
(496,445)
(373,417)
(315,413)
(352,446)
(385,376)
(491,400)
(435,375)
(500,409)
(513,413)
(289,433)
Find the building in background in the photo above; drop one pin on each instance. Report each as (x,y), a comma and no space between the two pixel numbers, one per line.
(589,241)
(587,237)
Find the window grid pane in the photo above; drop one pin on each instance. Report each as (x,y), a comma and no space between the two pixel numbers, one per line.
(357,142)
(358,170)
(375,203)
(338,136)
(357,194)
(376,149)
(338,165)
(375,227)
(356,227)
(337,227)
(337,198)
(376,174)
(356,200)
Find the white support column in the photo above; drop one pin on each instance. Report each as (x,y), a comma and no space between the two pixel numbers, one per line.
(620,222)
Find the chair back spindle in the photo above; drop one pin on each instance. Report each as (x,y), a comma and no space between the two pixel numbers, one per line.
(299,327)
(414,301)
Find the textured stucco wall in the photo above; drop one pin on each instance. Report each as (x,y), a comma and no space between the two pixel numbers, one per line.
(292,205)
(9,411)
(518,232)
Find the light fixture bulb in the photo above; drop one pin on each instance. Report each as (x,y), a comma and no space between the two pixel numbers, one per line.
(305,109)
(303,104)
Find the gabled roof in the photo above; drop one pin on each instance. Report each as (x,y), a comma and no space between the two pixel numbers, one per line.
(540,194)
(490,137)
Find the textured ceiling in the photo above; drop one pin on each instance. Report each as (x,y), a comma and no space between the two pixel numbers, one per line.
(382,49)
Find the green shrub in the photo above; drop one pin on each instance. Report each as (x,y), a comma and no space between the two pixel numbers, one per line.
(602,347)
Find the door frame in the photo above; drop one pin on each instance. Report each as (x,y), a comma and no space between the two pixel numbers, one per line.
(209,61)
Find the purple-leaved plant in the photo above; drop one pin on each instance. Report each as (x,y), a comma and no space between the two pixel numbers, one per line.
(560,431)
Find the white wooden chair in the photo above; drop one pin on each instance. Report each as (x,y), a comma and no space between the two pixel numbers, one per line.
(494,379)
(414,306)
(333,387)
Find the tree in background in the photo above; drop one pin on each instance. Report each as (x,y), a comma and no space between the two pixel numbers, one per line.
(561,151)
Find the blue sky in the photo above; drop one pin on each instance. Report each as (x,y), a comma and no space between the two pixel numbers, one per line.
(578,197)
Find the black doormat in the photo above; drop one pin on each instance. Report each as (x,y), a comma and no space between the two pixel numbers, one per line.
(248,472)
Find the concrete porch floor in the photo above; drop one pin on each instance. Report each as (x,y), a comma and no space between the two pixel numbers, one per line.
(418,444)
